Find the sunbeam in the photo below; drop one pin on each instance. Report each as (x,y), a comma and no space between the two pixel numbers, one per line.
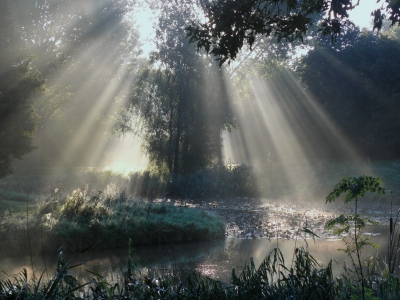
(284,131)
(87,91)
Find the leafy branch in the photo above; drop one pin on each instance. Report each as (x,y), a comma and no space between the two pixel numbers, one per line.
(353,188)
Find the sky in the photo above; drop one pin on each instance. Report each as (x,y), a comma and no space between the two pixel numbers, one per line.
(361,15)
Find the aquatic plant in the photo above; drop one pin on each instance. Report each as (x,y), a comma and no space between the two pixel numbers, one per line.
(306,279)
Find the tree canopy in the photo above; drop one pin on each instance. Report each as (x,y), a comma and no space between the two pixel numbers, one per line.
(231,24)
(173,107)
(358,86)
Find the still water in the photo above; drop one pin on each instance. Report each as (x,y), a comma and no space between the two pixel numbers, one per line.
(214,259)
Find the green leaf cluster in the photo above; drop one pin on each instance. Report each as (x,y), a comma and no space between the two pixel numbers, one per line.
(354,187)
(232,24)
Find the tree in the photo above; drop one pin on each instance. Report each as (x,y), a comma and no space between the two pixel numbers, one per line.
(84,49)
(358,86)
(172,107)
(231,24)
(18,81)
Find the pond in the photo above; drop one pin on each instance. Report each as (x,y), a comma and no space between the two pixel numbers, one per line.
(214,259)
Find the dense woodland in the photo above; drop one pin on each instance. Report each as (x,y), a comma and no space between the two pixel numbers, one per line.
(234,103)
(76,74)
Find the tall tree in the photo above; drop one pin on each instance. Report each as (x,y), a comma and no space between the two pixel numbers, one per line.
(84,48)
(181,118)
(18,82)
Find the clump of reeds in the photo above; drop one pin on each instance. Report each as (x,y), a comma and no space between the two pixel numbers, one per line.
(306,279)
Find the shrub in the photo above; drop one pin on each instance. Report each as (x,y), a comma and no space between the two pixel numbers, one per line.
(216,182)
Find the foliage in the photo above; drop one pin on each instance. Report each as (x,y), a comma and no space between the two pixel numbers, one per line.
(219,182)
(86,217)
(358,87)
(173,106)
(383,274)
(84,57)
(271,280)
(231,24)
(61,286)
(19,81)
(353,188)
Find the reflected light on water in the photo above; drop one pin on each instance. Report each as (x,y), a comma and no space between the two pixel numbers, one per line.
(215,259)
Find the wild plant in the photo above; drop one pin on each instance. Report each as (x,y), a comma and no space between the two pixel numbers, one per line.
(354,188)
(383,273)
(61,286)
(305,279)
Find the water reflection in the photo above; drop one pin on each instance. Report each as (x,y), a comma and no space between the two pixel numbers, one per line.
(214,259)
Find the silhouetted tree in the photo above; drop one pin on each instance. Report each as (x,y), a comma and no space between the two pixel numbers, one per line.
(173,108)
(231,24)
(359,87)
(18,81)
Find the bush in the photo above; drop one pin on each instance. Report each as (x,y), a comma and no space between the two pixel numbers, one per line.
(216,182)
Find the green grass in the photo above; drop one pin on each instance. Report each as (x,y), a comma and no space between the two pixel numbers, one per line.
(107,219)
(85,217)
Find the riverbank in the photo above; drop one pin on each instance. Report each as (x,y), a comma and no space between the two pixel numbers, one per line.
(86,218)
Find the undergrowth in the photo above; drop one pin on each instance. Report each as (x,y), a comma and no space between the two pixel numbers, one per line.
(108,218)
(303,278)
(220,182)
(294,181)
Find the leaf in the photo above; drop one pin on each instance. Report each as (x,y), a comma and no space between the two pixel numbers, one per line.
(310,232)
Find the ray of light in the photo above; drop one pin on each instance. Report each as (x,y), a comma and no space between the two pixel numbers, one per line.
(283,126)
(82,117)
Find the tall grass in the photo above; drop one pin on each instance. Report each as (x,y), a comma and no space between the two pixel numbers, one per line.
(303,278)
(306,279)
(109,219)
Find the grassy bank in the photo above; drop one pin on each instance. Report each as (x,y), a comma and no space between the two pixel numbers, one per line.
(84,218)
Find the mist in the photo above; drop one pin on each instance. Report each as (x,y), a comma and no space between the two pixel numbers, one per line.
(131,125)
(91,63)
